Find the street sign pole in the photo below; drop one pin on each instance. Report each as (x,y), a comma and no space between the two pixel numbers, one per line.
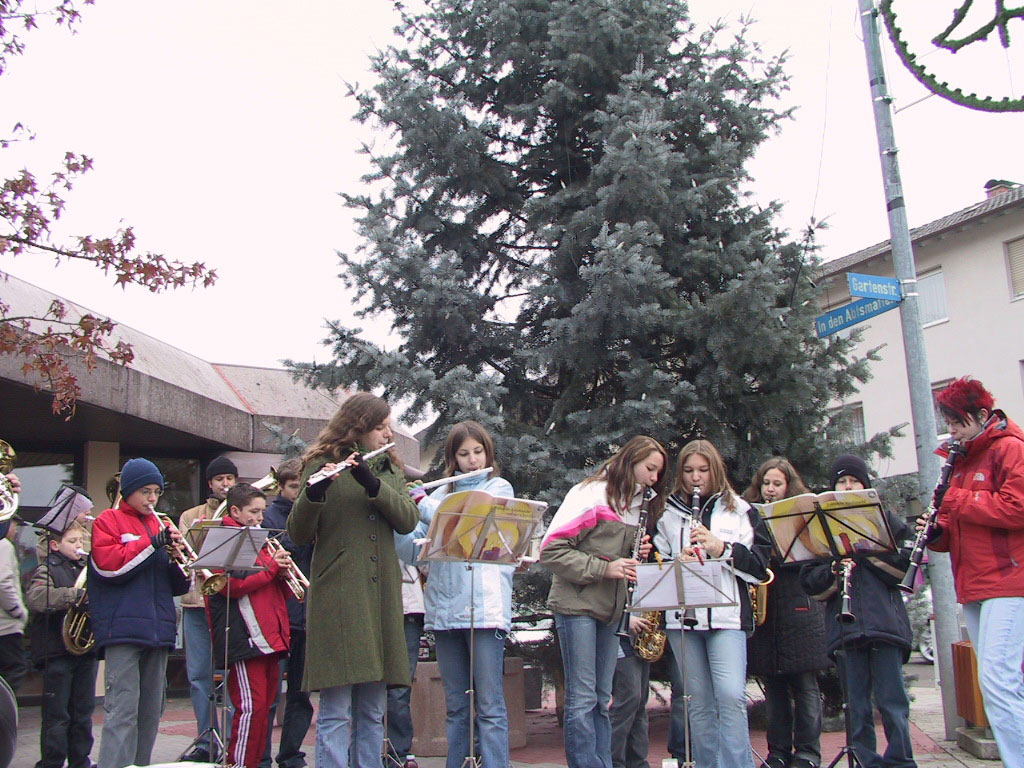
(922,410)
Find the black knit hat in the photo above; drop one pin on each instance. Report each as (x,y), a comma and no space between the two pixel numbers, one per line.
(851,465)
(222,465)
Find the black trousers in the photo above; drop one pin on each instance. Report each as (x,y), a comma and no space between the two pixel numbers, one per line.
(12,659)
(69,697)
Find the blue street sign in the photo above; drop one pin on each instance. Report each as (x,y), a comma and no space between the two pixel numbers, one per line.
(851,314)
(874,287)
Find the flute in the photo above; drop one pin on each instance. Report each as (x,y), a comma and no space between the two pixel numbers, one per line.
(454,479)
(323,474)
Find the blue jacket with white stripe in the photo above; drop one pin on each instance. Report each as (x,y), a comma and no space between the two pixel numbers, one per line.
(131,585)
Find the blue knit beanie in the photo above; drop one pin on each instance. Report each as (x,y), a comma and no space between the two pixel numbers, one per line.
(139,472)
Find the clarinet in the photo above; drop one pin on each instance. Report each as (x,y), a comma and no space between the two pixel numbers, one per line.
(690,614)
(641,531)
(845,608)
(932,519)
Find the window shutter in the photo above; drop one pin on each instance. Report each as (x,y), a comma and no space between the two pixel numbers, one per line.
(1015,253)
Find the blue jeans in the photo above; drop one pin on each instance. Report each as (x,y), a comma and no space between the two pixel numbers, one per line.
(351,715)
(489,693)
(996,628)
(588,657)
(199,667)
(716,669)
(399,698)
(877,668)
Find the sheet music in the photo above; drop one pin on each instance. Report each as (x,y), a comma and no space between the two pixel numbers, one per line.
(231,548)
(675,584)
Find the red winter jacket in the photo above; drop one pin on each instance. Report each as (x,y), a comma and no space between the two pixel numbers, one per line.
(982,514)
(259,617)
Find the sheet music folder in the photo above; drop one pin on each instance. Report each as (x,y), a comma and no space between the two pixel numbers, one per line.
(674,585)
(474,526)
(812,527)
(231,548)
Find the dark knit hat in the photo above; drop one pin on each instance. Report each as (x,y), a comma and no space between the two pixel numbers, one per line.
(139,472)
(222,465)
(851,465)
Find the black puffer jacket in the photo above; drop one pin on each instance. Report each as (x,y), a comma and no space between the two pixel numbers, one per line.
(876,603)
(792,638)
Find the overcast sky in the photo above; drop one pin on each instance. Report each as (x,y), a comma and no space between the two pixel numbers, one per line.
(222,133)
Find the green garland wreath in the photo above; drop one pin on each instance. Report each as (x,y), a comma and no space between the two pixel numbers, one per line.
(943,89)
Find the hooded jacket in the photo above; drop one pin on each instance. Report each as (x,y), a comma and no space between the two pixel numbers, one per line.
(131,584)
(981,519)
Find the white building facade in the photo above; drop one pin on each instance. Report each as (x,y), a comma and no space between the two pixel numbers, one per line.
(970,271)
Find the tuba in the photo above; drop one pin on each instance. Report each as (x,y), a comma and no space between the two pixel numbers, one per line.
(8,498)
(77,629)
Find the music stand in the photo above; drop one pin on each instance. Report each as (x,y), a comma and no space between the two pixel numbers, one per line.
(841,524)
(474,527)
(231,550)
(679,585)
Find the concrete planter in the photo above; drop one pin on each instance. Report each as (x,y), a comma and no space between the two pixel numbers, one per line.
(429,711)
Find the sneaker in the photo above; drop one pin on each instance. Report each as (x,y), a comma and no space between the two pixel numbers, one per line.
(410,762)
(802,762)
(775,761)
(197,755)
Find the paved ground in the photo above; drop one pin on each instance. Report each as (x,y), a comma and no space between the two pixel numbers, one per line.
(544,747)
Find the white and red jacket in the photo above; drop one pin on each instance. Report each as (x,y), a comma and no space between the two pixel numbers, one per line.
(259,613)
(131,583)
(982,515)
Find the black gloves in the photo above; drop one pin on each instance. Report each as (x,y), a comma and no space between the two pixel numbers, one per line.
(161,539)
(362,474)
(317,492)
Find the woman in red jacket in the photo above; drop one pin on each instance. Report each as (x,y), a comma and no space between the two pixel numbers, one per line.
(981,525)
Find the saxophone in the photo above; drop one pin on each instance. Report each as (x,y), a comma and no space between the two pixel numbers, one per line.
(759,598)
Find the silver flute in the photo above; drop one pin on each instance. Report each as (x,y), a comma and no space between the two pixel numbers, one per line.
(323,474)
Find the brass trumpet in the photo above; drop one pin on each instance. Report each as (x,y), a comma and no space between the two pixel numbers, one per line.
(76,629)
(8,498)
(266,483)
(295,579)
(184,557)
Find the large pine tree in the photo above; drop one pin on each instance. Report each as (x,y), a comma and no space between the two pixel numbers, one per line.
(557,230)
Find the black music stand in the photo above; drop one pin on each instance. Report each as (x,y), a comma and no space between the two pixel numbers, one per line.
(232,550)
(852,524)
(474,527)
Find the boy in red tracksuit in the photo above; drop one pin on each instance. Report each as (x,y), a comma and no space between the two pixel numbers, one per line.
(259,632)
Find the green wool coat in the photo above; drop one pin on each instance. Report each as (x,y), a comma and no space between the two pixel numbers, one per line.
(354,630)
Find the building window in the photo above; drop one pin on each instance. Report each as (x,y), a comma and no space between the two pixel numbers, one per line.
(940,423)
(931,289)
(850,422)
(1015,263)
